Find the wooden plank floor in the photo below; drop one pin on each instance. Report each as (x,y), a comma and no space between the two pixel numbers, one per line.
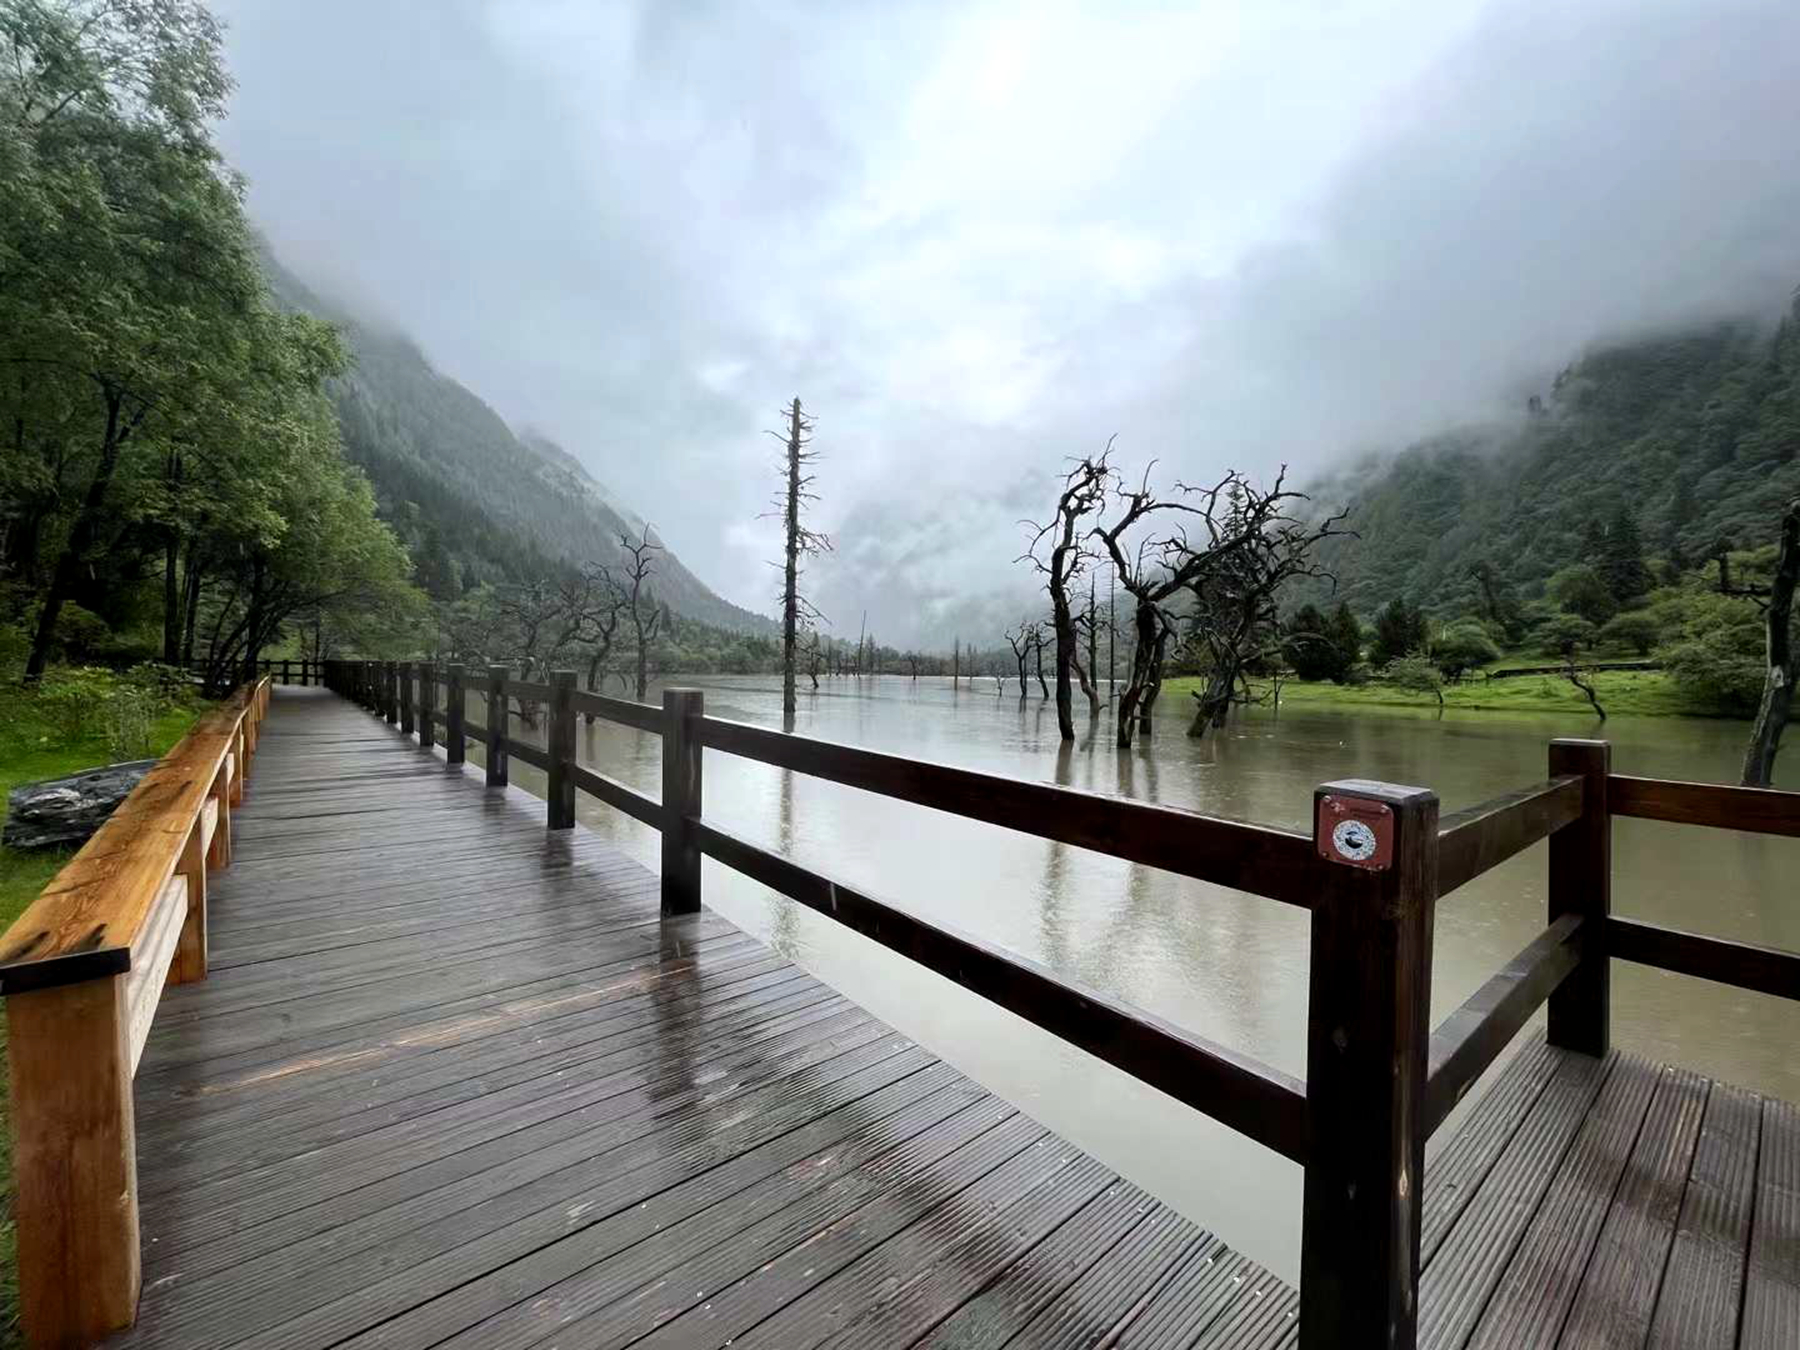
(453,1082)
(1614,1203)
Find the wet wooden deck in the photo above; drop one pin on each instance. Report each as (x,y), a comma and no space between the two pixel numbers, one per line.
(454,1082)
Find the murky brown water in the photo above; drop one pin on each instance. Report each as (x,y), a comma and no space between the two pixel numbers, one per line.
(1230,966)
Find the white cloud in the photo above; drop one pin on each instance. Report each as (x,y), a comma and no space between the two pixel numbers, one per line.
(978,238)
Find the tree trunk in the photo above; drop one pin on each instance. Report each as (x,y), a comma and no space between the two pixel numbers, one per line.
(1778,638)
(790,586)
(81,537)
(191,577)
(171,644)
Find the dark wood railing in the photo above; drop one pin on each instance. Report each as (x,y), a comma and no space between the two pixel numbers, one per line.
(281,670)
(1380,1080)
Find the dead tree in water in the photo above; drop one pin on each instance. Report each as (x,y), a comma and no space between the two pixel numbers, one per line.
(1059,551)
(798,542)
(646,616)
(1243,547)
(592,606)
(1781,666)
(1236,596)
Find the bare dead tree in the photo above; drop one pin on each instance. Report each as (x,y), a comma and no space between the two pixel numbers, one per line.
(1157,565)
(1023,640)
(1230,548)
(1058,550)
(799,543)
(1235,596)
(592,608)
(646,616)
(1039,641)
(810,650)
(1571,673)
(1776,600)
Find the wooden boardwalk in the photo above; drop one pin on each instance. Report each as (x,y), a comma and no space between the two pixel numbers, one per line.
(453,1081)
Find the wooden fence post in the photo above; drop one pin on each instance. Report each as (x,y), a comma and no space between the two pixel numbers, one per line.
(455,747)
(498,715)
(1581,883)
(406,697)
(562,749)
(427,700)
(390,690)
(74,1161)
(681,799)
(1367,1040)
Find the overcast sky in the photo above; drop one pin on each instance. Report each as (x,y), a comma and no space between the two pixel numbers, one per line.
(977,238)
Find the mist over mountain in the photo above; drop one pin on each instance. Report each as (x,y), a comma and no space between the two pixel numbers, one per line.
(474,500)
(1696,433)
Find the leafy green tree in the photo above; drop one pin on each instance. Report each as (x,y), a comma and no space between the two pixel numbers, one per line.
(1566,634)
(1460,648)
(1415,673)
(1317,647)
(1400,630)
(1582,591)
(1638,629)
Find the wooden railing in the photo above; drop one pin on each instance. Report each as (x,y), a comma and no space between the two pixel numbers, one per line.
(1379,1078)
(82,971)
(299,670)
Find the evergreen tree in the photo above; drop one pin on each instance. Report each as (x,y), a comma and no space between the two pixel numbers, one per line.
(1621,561)
(1399,631)
(1347,634)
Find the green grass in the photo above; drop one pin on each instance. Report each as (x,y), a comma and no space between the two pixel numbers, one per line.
(1622,693)
(32,749)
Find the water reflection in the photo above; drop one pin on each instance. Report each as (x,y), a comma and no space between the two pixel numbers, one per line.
(1229,966)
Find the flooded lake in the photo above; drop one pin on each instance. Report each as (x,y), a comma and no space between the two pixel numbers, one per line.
(1229,966)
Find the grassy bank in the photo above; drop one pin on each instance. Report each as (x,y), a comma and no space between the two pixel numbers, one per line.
(1621,692)
(33,746)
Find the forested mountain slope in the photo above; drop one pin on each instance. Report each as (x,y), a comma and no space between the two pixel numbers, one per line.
(1697,433)
(473,500)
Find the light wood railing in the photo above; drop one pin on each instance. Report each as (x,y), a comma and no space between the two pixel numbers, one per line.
(82,971)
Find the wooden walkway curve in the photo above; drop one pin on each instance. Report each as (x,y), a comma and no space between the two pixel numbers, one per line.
(455,1082)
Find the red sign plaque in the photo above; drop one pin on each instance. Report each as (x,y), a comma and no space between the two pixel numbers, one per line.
(1355,831)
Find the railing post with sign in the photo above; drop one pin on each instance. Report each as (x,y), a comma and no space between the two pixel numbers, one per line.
(1367,1040)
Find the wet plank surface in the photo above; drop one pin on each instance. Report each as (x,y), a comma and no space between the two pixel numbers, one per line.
(1616,1203)
(453,1081)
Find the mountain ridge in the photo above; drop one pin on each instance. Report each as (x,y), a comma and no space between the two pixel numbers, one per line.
(475,499)
(1696,433)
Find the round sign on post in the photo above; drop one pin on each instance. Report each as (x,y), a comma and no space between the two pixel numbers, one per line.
(1355,831)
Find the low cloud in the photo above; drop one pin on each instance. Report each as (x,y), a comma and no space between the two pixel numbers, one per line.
(979,239)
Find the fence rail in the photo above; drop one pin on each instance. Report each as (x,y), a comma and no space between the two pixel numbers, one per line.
(82,970)
(1379,1079)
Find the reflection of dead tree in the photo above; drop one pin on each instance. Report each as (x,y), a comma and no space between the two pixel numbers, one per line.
(646,617)
(1776,601)
(799,542)
(1058,550)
